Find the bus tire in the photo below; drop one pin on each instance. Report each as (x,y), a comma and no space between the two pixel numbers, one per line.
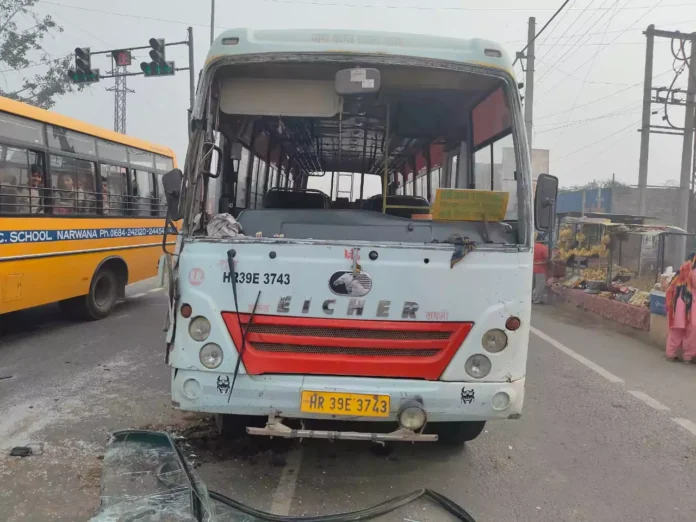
(457,433)
(102,297)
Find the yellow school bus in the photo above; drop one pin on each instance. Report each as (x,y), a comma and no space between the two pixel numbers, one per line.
(82,211)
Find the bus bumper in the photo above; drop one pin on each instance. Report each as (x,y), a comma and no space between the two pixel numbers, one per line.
(279,396)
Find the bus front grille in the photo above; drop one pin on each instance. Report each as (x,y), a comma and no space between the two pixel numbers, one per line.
(347,347)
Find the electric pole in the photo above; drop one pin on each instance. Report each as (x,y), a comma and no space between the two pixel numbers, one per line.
(645,125)
(687,147)
(529,83)
(665,97)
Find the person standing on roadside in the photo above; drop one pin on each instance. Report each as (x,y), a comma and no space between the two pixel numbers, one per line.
(680,317)
(541,261)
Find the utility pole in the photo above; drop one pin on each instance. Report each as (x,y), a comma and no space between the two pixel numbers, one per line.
(529,82)
(687,148)
(645,125)
(212,21)
(664,97)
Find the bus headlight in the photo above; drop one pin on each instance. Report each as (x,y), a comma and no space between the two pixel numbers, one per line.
(199,328)
(211,356)
(494,341)
(478,366)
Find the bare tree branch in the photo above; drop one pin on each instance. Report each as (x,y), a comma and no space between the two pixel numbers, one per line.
(16,42)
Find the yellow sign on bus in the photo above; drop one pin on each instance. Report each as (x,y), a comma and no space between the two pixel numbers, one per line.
(469,205)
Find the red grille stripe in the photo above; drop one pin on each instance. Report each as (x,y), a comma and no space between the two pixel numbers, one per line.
(368,356)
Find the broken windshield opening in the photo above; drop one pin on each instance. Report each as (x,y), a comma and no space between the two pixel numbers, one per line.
(294,159)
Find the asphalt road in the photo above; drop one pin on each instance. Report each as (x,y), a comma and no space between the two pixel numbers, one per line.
(608,432)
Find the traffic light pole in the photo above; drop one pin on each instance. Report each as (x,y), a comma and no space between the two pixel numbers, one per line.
(192,71)
(120,72)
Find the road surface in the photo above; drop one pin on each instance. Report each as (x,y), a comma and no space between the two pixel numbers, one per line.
(608,432)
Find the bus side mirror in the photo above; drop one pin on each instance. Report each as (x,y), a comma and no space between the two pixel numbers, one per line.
(545,201)
(171,182)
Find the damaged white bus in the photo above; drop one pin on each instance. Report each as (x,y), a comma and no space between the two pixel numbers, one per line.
(408,309)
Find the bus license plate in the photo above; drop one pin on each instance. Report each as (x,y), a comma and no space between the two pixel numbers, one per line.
(353,404)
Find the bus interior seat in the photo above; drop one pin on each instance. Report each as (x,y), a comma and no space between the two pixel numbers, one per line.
(282,198)
(375,204)
(341,204)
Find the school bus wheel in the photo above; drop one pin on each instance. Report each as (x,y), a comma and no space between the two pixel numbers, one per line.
(103,294)
(108,284)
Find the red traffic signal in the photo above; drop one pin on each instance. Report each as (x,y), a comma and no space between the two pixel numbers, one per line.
(122,57)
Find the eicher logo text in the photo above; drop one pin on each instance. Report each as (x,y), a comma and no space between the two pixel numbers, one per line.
(356,307)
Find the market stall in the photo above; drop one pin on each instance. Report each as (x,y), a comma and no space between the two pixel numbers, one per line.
(597,282)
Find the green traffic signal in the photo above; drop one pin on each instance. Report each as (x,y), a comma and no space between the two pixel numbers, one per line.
(157,69)
(78,76)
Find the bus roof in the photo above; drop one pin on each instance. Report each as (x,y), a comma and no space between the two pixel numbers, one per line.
(53,118)
(264,41)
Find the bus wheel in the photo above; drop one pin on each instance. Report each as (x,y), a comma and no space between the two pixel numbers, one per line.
(457,433)
(103,294)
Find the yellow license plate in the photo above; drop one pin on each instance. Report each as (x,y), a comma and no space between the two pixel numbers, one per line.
(353,404)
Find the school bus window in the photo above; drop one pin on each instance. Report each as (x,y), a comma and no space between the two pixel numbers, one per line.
(73,182)
(112,152)
(162,204)
(21,129)
(140,158)
(143,192)
(163,163)
(21,182)
(114,190)
(69,141)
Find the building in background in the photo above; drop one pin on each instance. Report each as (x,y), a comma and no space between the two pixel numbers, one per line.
(504,174)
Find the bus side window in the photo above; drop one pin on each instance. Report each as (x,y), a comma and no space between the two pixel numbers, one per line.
(114,190)
(20,191)
(73,182)
(143,192)
(161,203)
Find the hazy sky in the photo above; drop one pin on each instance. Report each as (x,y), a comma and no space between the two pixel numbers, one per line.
(589,71)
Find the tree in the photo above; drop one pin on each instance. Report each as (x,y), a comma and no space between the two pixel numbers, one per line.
(22,32)
(595,184)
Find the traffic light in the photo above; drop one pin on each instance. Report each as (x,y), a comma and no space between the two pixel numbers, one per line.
(83,72)
(159,66)
(122,57)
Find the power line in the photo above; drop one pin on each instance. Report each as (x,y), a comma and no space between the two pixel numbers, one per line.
(617,37)
(589,70)
(598,154)
(440,8)
(579,43)
(126,15)
(629,109)
(558,11)
(623,129)
(604,97)
(576,20)
(558,24)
